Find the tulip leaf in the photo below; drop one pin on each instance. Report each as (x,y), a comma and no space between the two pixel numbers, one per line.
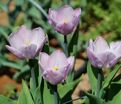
(117,80)
(36,93)
(37,96)
(5,100)
(64,89)
(34,12)
(94,99)
(25,96)
(110,77)
(48,97)
(92,73)
(114,94)
(18,64)
(72,47)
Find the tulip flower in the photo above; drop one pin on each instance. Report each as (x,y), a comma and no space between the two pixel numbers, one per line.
(103,55)
(54,68)
(65,19)
(26,43)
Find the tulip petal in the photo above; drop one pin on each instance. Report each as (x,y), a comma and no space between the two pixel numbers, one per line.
(93,58)
(55,77)
(29,51)
(67,12)
(100,45)
(70,60)
(65,28)
(19,38)
(39,38)
(106,58)
(77,12)
(57,58)
(114,61)
(91,44)
(43,60)
(52,17)
(116,48)
(15,52)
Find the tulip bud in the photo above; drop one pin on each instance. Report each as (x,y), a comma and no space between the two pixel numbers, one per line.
(65,19)
(102,55)
(26,43)
(55,68)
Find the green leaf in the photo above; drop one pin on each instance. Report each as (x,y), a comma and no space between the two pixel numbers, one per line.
(5,100)
(114,94)
(48,97)
(72,47)
(25,96)
(64,89)
(110,77)
(92,73)
(34,12)
(117,80)
(94,100)
(37,96)
(36,93)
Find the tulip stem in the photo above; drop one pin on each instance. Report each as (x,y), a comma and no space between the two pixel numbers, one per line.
(33,77)
(56,95)
(99,82)
(65,45)
(39,7)
(32,73)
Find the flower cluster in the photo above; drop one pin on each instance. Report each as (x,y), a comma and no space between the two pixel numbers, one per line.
(27,44)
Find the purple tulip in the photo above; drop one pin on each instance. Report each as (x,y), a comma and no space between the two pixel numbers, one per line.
(65,19)
(103,55)
(54,68)
(26,43)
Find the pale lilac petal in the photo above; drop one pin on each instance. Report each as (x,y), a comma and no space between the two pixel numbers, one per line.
(55,77)
(57,58)
(43,60)
(70,60)
(15,52)
(91,44)
(39,38)
(100,45)
(24,33)
(106,58)
(19,38)
(65,12)
(52,17)
(93,59)
(76,16)
(77,12)
(65,15)
(65,28)
(15,41)
(114,61)
(115,47)
(29,51)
